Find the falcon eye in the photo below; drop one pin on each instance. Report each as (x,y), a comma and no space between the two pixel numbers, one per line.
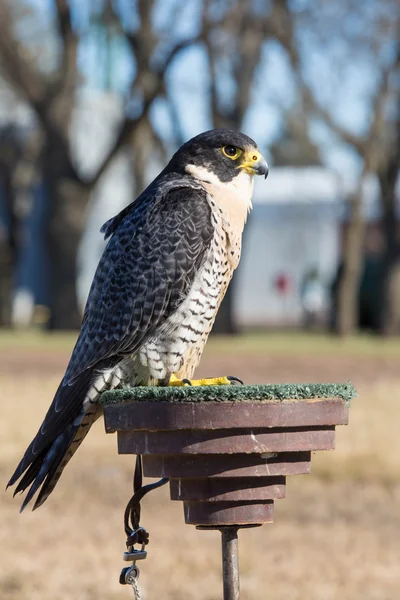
(231,152)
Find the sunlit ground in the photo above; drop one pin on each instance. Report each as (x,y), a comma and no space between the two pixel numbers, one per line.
(250,342)
(335,536)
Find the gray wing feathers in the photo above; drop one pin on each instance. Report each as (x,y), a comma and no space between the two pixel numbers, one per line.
(144,274)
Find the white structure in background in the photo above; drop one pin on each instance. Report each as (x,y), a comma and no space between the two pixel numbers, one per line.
(293,228)
(23,307)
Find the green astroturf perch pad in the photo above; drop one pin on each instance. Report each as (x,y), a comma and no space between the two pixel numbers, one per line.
(231,393)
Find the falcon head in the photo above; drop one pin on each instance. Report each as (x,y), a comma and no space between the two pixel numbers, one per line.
(219,155)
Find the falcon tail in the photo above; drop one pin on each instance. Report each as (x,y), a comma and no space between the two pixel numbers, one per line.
(68,420)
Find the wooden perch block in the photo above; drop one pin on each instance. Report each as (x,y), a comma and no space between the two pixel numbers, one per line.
(227,461)
(227,465)
(227,441)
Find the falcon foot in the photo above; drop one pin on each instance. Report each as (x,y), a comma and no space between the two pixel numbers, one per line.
(229,380)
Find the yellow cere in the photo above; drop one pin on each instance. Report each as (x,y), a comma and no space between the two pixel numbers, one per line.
(250,157)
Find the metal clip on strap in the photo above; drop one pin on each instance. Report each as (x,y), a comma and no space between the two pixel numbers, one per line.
(135,533)
(132,511)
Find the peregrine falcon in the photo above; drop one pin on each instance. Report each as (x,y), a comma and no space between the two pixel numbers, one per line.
(157,289)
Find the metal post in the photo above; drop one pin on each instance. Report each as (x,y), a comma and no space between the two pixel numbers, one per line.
(230,562)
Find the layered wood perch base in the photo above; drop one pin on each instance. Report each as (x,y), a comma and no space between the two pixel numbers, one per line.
(227,450)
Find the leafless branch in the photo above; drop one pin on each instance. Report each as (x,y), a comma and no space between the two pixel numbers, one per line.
(285,34)
(142,41)
(67,72)
(33,86)
(16,66)
(151,91)
(244,33)
(64,19)
(60,89)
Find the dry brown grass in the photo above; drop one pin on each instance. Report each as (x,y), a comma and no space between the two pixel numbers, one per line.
(335,537)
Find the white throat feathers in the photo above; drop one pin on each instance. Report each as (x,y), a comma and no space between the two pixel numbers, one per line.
(233,197)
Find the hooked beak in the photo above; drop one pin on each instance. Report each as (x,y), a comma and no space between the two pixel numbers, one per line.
(261,167)
(255,164)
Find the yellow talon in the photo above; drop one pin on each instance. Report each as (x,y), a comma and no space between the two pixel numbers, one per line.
(174,381)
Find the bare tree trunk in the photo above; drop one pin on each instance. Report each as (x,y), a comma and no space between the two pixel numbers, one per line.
(6,278)
(66,201)
(348,284)
(225,322)
(8,249)
(387,177)
(64,231)
(390,317)
(246,32)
